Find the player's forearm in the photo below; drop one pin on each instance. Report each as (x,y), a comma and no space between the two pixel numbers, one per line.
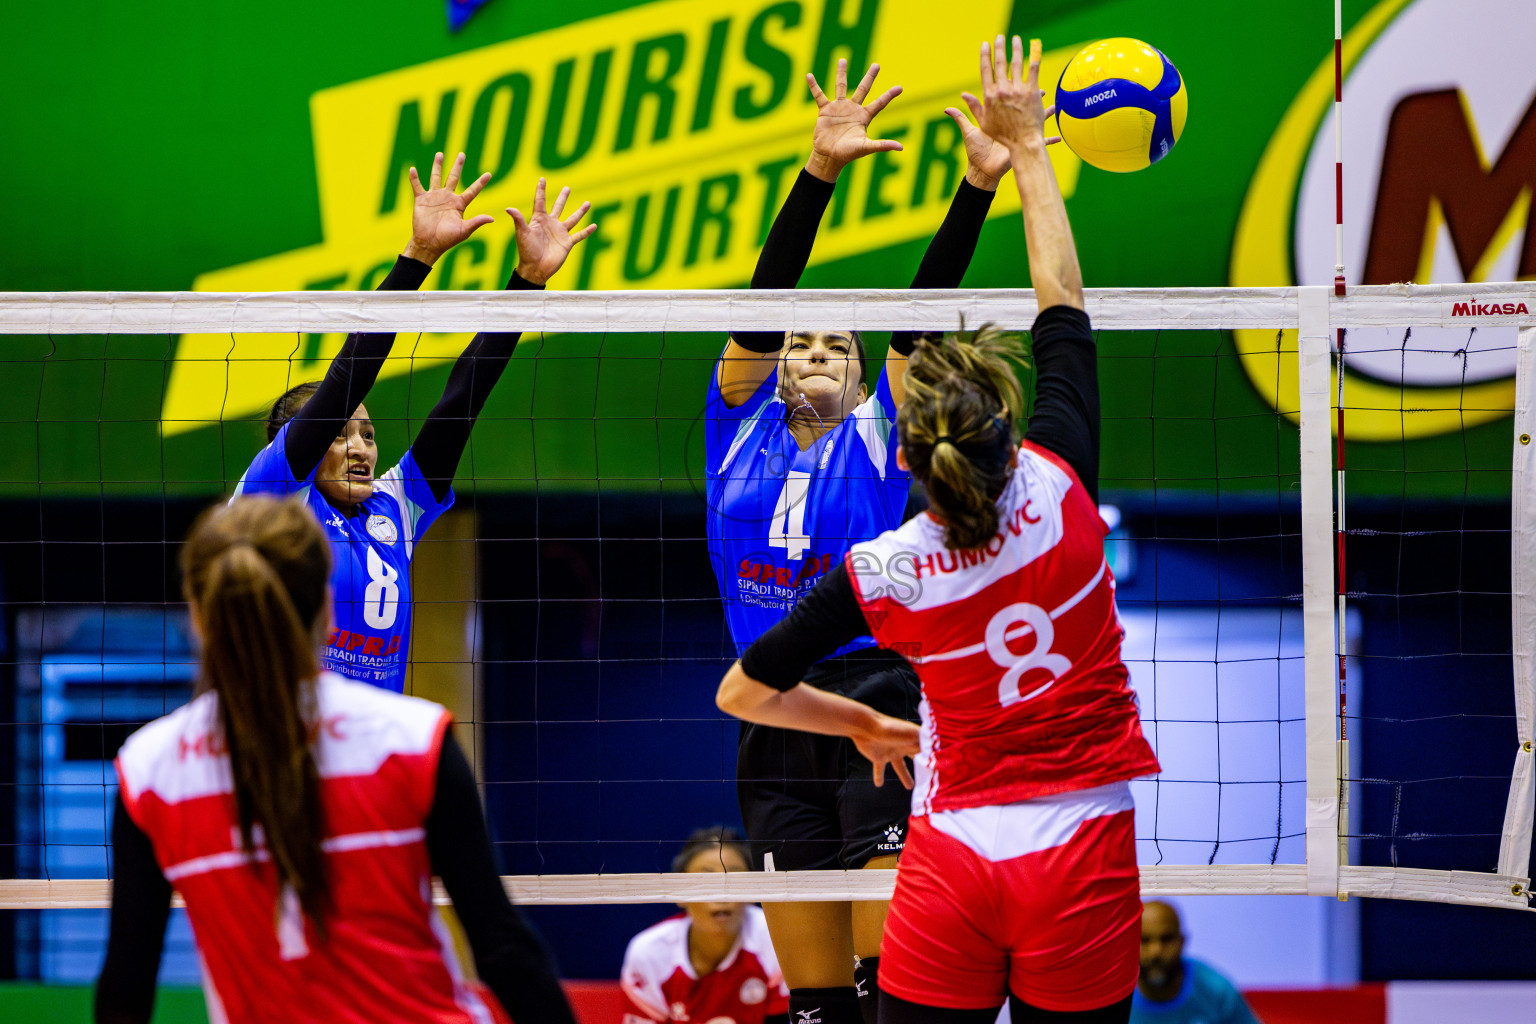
(443,437)
(787,250)
(948,255)
(347,381)
(804,708)
(1053,268)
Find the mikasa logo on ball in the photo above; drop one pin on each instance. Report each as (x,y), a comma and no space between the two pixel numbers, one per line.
(382,529)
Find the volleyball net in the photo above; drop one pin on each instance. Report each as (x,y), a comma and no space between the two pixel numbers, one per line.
(1330,635)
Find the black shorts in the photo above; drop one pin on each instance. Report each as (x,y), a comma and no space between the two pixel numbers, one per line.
(811,801)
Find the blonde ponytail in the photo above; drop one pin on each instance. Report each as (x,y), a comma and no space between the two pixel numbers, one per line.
(956,427)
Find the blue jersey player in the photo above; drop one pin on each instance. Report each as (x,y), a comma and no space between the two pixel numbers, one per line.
(321,445)
(801,465)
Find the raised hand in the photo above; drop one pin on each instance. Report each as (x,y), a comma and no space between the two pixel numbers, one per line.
(842,123)
(437,216)
(544,240)
(1012,114)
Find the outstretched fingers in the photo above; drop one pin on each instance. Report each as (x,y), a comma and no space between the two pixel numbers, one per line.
(559,207)
(518,220)
(538,197)
(882,101)
(474,187)
(1000,60)
(452,183)
(575,218)
(866,83)
(476,223)
(583,234)
(416,183)
(436,180)
(1034,61)
(816,93)
(974,104)
(840,82)
(987,81)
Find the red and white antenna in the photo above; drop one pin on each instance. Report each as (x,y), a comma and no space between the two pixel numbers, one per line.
(1338,290)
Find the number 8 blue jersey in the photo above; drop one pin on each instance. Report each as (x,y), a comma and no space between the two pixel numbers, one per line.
(779,517)
(372,551)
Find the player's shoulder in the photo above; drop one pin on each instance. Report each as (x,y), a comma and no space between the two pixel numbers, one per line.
(657,950)
(372,723)
(164,755)
(916,534)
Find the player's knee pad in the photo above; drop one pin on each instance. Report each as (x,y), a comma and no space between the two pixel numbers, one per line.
(824,1006)
(866,982)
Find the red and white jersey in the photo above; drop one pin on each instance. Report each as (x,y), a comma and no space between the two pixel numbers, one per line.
(1017,645)
(387,956)
(660,985)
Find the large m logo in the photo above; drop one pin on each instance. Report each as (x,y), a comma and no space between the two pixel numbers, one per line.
(1434,170)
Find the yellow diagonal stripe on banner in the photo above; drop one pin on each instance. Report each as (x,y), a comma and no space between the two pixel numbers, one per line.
(683,122)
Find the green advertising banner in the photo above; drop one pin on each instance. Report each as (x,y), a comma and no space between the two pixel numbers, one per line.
(239,148)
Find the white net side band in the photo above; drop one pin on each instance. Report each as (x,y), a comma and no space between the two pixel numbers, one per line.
(1481,305)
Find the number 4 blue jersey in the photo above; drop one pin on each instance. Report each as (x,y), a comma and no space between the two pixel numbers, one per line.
(779,517)
(372,552)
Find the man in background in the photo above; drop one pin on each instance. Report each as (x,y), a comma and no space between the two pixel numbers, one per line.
(1174,989)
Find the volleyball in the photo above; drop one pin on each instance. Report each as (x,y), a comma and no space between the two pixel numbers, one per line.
(1121,104)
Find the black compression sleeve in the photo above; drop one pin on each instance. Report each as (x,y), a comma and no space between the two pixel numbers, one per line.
(509,955)
(442,439)
(1066,416)
(347,382)
(141,904)
(949,254)
(787,250)
(819,623)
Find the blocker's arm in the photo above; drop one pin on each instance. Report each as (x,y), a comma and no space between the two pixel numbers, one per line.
(544,240)
(437,225)
(839,138)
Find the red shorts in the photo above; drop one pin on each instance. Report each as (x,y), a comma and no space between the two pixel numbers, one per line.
(1060,928)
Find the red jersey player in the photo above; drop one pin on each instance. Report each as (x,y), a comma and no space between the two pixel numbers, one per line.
(1019,879)
(711,964)
(302,817)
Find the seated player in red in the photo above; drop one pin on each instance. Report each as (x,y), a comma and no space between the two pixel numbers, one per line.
(302,817)
(713,962)
(1019,880)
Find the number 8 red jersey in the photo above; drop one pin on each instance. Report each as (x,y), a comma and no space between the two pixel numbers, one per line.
(1017,645)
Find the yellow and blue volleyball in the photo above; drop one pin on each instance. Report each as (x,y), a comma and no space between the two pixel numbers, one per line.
(1121,104)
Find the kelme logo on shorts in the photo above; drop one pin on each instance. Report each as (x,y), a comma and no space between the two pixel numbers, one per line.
(1439,166)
